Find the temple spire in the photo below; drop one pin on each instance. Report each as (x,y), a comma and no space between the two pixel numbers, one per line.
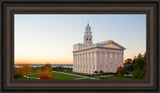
(88,34)
(88,24)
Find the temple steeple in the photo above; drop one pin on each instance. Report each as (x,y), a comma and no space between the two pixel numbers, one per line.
(88,35)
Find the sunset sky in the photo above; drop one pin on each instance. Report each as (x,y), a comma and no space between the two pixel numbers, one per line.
(49,38)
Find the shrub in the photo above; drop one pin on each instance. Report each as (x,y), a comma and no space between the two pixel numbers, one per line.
(45,73)
(101,72)
(120,71)
(144,77)
(138,74)
(18,76)
(41,76)
(96,72)
(144,68)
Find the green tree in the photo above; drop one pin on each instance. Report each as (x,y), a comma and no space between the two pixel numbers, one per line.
(144,58)
(128,61)
(139,64)
(129,68)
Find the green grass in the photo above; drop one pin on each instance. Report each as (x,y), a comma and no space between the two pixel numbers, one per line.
(56,75)
(83,74)
(35,75)
(115,77)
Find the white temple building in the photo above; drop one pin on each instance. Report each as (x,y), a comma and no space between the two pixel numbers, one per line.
(88,57)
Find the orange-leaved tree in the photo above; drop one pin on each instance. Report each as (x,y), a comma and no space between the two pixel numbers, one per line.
(24,70)
(45,73)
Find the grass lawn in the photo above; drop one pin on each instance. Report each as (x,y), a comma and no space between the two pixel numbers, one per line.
(56,75)
(115,77)
(83,74)
(104,75)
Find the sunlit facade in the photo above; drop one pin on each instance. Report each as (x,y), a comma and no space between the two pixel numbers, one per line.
(88,57)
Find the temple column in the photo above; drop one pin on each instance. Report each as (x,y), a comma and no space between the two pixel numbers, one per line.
(95,61)
(74,66)
(83,63)
(103,61)
(122,60)
(113,56)
(78,62)
(106,61)
(118,57)
(92,63)
(75,62)
(87,62)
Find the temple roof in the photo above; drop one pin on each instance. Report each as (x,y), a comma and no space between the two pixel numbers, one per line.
(88,24)
(109,44)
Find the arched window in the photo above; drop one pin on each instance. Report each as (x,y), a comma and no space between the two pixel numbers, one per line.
(87,39)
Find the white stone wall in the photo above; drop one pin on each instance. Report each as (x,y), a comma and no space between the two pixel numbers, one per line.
(96,59)
(84,62)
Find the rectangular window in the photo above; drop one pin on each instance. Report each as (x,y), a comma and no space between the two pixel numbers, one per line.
(100,66)
(111,55)
(115,55)
(106,61)
(106,55)
(106,66)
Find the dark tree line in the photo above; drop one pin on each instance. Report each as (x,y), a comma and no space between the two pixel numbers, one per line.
(138,67)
